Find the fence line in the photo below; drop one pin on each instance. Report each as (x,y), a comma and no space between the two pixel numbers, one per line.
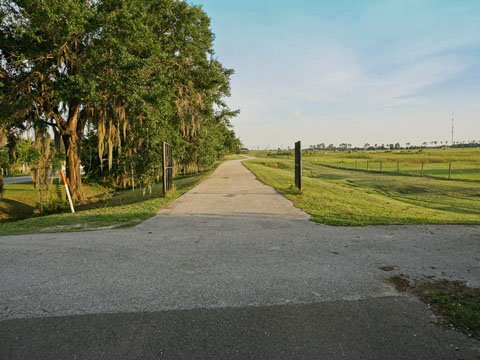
(422,169)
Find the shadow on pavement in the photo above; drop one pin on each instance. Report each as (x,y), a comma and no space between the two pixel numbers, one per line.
(381,328)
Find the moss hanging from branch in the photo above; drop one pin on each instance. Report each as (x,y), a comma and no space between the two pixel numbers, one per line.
(41,171)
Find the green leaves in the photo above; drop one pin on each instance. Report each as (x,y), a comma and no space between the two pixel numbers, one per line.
(140,71)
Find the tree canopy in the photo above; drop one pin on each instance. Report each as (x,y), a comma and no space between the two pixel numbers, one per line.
(113,79)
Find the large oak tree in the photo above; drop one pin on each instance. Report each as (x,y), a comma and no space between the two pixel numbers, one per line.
(130,74)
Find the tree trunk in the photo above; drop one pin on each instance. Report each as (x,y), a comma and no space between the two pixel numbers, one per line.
(12,149)
(72,149)
(71,131)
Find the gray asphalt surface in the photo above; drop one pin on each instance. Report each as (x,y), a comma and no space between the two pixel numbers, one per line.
(17,180)
(366,329)
(230,282)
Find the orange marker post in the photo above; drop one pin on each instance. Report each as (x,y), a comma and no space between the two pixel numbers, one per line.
(67,191)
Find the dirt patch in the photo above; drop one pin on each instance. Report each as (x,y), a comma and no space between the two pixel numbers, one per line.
(400,283)
(457,305)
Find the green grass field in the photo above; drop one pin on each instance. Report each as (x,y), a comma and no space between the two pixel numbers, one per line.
(105,209)
(19,201)
(465,163)
(343,197)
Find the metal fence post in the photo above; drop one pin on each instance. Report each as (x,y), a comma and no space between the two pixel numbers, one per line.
(298,165)
(164,167)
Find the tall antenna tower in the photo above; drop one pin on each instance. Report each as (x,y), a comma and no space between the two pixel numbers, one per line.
(453,125)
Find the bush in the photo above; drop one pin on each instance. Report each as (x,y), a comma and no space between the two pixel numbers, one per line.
(53,205)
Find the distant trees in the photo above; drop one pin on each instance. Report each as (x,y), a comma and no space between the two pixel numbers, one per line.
(112,79)
(390,147)
(344,146)
(318,147)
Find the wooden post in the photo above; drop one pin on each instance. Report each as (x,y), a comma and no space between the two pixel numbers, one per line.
(423,163)
(164,166)
(449,171)
(133,181)
(298,165)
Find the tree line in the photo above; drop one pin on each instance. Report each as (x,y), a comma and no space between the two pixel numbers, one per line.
(396,146)
(105,82)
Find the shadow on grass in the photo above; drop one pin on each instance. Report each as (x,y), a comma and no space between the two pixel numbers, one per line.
(14,210)
(129,196)
(123,209)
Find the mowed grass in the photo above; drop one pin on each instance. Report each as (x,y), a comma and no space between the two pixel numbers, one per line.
(20,201)
(236,157)
(116,210)
(354,198)
(464,164)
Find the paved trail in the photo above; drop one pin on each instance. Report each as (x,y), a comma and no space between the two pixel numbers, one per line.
(230,270)
(234,191)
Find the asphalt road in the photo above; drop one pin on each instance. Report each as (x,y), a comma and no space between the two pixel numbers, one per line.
(17,180)
(230,279)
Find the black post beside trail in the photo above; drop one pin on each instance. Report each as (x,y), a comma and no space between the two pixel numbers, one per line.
(449,171)
(167,164)
(164,167)
(298,165)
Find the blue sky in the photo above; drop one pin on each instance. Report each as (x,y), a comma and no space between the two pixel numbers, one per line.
(355,71)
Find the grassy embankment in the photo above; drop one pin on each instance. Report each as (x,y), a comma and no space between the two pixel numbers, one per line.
(344,197)
(105,208)
(236,157)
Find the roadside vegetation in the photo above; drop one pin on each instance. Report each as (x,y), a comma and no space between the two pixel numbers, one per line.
(106,208)
(96,88)
(356,198)
(99,86)
(457,304)
(21,201)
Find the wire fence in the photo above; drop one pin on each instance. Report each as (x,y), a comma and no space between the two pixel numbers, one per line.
(446,170)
